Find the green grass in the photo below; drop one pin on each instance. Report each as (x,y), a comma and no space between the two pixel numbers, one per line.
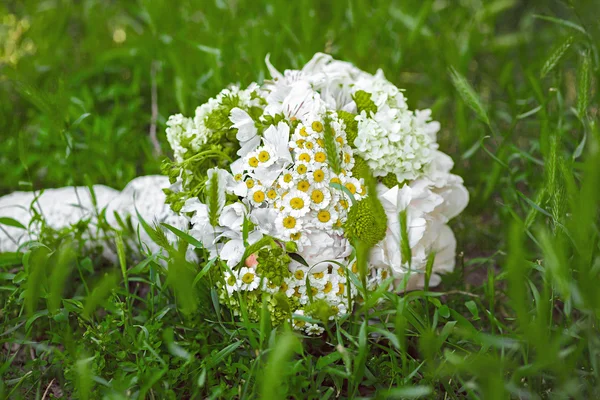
(515,86)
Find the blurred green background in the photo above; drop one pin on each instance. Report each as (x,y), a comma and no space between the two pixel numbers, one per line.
(76,77)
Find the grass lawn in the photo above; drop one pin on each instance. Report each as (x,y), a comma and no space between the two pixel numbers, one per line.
(85,84)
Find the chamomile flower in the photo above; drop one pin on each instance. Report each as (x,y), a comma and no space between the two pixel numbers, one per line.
(251,160)
(298,323)
(296,203)
(247,279)
(266,156)
(320,198)
(338,310)
(231,282)
(257,195)
(287,225)
(299,277)
(301,168)
(318,280)
(313,329)
(319,176)
(287,179)
(325,219)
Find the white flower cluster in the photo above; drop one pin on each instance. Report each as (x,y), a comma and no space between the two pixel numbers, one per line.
(190,134)
(307,142)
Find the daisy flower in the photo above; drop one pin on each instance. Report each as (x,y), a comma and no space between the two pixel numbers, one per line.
(247,279)
(296,203)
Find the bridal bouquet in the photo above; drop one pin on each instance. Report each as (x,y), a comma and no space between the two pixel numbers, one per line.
(289,184)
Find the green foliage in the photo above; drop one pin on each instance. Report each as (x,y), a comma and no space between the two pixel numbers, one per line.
(390,180)
(273,264)
(351,126)
(331,149)
(517,318)
(364,103)
(212,199)
(366,222)
(360,168)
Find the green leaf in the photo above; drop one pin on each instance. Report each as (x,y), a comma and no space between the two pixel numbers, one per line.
(331,149)
(276,368)
(100,293)
(469,96)
(583,87)
(409,392)
(11,222)
(556,56)
(35,263)
(63,262)
(184,236)
(9,259)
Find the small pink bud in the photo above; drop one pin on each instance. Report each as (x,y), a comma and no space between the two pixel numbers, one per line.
(251,261)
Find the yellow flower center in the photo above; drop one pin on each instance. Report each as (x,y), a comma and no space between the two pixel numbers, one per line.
(289,222)
(253,162)
(301,168)
(238,177)
(347,158)
(303,132)
(297,203)
(295,236)
(341,271)
(328,287)
(341,288)
(231,280)
(321,142)
(271,194)
(258,196)
(344,203)
(351,188)
(287,178)
(317,196)
(317,126)
(299,274)
(303,185)
(335,309)
(284,287)
(324,216)
(335,180)
(355,267)
(309,145)
(319,275)
(248,278)
(339,139)
(319,175)
(320,157)
(249,183)
(314,291)
(300,143)
(264,156)
(304,157)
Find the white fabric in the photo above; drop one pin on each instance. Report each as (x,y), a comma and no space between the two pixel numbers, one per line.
(64,207)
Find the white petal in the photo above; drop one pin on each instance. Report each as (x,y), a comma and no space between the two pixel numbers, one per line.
(272,70)
(243,123)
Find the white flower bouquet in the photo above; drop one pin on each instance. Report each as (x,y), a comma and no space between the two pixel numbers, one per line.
(312,188)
